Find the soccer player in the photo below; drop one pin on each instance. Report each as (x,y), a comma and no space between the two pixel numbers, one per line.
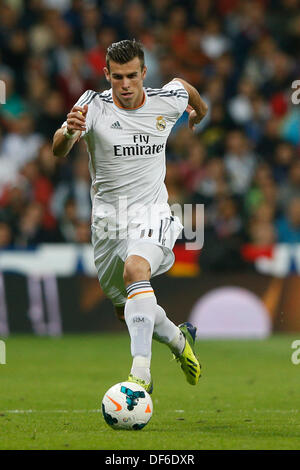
(133,231)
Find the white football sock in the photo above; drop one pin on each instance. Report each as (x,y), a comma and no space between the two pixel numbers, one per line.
(141,368)
(165,331)
(145,319)
(139,312)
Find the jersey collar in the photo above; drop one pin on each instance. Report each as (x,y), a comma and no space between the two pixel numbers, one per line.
(121,108)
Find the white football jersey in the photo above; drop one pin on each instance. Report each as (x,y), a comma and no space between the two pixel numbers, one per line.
(127,148)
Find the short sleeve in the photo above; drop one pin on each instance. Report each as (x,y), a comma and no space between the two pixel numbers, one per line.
(178,94)
(87,98)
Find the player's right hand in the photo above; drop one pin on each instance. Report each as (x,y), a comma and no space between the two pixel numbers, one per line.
(194,118)
(76,119)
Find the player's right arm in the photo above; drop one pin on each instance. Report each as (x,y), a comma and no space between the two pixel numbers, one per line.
(65,137)
(197,108)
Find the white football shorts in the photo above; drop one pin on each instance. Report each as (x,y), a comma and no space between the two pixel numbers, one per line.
(152,241)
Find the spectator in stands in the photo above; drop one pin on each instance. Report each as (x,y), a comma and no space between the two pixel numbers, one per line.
(269,139)
(41,35)
(191,56)
(158,12)
(52,113)
(8,169)
(95,58)
(113,15)
(264,212)
(192,167)
(261,225)
(240,162)
(153,78)
(48,166)
(168,66)
(40,190)
(38,91)
(22,145)
(213,135)
(281,77)
(255,195)
(290,189)
(225,219)
(135,20)
(261,234)
(284,156)
(240,106)
(74,80)
(213,95)
(14,104)
(288,226)
(78,189)
(214,185)
(291,124)
(30,229)
(270,194)
(174,182)
(203,10)
(223,238)
(82,231)
(68,220)
(59,56)
(16,55)
(260,113)
(6,238)
(213,41)
(246,26)
(91,18)
(225,68)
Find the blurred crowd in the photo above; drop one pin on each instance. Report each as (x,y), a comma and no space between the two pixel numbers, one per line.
(243,161)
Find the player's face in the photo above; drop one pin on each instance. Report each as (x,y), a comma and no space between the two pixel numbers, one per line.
(127,82)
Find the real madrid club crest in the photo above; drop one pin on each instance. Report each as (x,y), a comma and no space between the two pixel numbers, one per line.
(160,123)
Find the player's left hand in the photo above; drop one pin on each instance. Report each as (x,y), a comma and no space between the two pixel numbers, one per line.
(194,118)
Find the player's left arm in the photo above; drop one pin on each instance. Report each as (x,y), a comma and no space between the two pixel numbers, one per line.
(197,108)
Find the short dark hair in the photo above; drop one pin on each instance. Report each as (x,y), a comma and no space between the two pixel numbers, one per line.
(125,51)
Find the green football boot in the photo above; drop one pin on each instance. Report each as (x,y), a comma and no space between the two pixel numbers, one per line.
(148,387)
(188,360)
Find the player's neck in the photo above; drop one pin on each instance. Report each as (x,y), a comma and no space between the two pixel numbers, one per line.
(137,103)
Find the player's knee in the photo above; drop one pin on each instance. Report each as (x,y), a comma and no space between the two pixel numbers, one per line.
(136,269)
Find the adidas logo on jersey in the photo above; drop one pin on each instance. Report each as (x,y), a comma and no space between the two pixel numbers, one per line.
(116,125)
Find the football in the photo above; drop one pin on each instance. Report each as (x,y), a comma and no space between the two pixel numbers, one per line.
(127,405)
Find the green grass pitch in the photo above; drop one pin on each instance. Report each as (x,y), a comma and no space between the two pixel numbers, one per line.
(247,398)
